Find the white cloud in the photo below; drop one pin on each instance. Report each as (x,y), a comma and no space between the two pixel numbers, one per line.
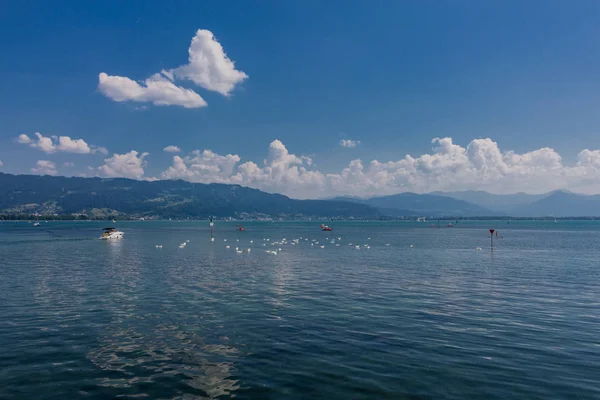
(205,166)
(449,166)
(44,167)
(156,90)
(172,149)
(1,163)
(102,150)
(128,165)
(45,144)
(68,164)
(349,143)
(55,144)
(69,145)
(208,67)
(23,138)
(280,171)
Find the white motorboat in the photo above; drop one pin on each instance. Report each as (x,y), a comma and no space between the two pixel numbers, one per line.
(36,224)
(111,233)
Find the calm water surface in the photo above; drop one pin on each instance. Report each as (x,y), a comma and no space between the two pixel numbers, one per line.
(84,318)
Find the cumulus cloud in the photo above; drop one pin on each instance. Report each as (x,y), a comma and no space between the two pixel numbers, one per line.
(44,167)
(23,139)
(157,90)
(449,166)
(208,67)
(53,144)
(279,170)
(172,149)
(349,143)
(128,165)
(102,150)
(205,166)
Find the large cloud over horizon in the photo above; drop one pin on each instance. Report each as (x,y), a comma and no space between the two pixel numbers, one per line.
(128,165)
(481,165)
(44,167)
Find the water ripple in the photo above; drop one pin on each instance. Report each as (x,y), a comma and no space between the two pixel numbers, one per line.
(84,318)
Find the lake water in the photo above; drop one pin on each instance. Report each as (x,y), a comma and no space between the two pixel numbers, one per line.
(85,318)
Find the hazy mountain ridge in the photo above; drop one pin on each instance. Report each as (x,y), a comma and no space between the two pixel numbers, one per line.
(496,202)
(559,203)
(169,198)
(563,204)
(429,205)
(28,194)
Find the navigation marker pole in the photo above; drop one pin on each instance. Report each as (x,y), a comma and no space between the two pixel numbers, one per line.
(492,239)
(211,224)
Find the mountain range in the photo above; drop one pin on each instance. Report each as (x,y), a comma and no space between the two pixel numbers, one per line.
(429,205)
(96,197)
(557,204)
(102,198)
(504,203)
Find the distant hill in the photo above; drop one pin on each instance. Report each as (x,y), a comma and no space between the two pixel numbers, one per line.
(505,203)
(27,194)
(562,204)
(428,205)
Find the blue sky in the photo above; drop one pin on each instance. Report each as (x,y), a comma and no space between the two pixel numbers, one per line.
(392,75)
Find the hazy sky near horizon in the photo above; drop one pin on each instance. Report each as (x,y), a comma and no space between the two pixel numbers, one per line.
(306,98)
